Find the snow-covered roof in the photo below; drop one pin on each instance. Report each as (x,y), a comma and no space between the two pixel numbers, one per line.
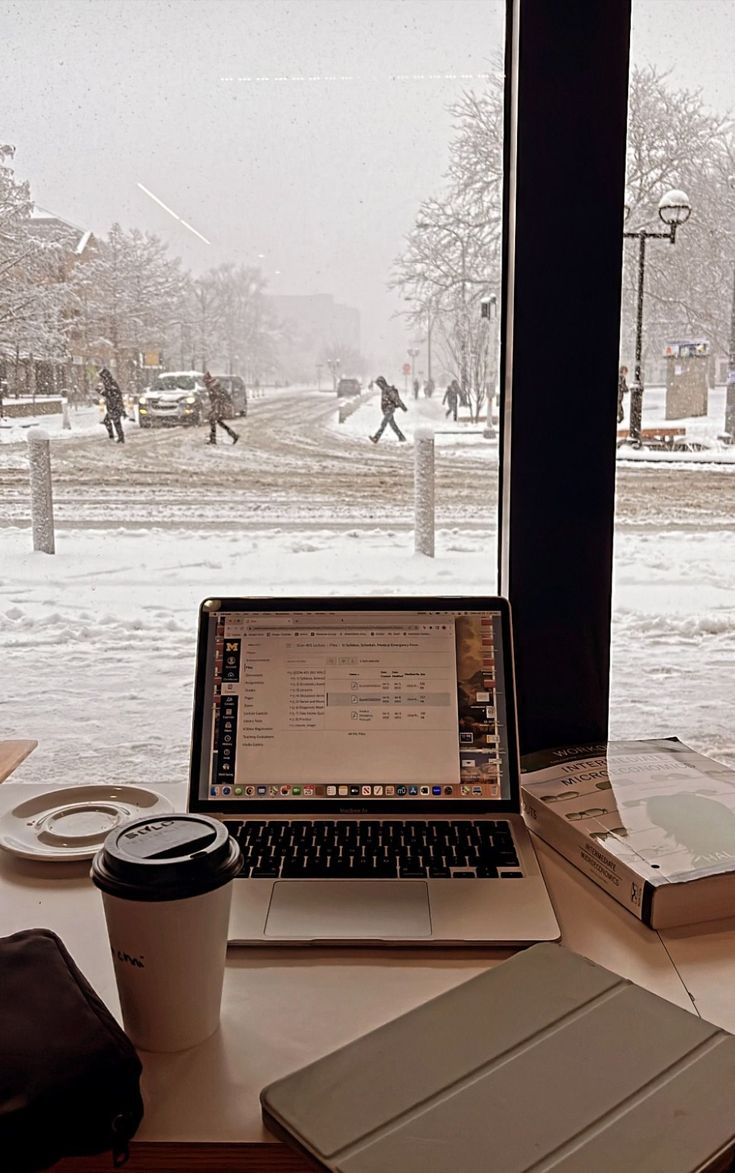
(76,239)
(192,373)
(84,241)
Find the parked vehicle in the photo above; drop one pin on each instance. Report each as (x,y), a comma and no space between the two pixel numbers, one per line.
(346,387)
(237,392)
(180,397)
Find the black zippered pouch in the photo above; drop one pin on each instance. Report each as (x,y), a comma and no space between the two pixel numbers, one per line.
(69,1075)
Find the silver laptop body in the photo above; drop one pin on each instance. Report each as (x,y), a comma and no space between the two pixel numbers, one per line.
(364,752)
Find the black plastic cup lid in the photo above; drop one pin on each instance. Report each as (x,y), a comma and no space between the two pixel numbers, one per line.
(169,858)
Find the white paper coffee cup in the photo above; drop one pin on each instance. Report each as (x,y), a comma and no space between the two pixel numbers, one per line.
(166,888)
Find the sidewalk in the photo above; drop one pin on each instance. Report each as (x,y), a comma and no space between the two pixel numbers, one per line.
(698,430)
(84,422)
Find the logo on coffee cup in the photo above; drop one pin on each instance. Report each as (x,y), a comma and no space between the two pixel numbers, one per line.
(121,955)
(138,831)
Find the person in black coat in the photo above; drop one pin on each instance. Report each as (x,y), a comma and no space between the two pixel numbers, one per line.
(389,401)
(451,398)
(219,405)
(622,390)
(114,404)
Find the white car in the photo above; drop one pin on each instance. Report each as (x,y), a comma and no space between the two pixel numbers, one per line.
(180,397)
(176,397)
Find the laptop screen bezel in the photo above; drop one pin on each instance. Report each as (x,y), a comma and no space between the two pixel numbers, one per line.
(233,808)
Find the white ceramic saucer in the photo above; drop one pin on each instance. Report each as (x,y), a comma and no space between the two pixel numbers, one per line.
(71,822)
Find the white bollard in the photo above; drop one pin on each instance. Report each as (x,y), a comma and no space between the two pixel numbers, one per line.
(424,492)
(42,503)
(65,417)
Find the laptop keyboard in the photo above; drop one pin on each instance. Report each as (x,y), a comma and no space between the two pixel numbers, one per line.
(362,849)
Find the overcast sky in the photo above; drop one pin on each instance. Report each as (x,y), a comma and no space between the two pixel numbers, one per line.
(322,177)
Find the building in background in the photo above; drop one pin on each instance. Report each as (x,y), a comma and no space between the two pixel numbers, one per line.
(315,328)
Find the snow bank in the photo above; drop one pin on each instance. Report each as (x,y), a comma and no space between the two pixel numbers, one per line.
(108,626)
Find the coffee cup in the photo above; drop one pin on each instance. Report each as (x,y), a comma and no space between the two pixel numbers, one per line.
(166,887)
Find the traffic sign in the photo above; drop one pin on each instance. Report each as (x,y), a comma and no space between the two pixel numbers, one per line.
(407,368)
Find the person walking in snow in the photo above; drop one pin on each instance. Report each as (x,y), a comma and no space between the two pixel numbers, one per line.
(219,403)
(451,398)
(622,390)
(115,411)
(389,401)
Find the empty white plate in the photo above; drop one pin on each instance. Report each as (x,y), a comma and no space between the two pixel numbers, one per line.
(72,822)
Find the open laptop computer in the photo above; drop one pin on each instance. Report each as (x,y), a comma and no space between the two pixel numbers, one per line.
(364,753)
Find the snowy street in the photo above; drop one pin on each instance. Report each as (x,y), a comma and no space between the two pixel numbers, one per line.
(297,464)
(303,505)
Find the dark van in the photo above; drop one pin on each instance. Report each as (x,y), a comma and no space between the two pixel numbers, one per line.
(347,387)
(237,393)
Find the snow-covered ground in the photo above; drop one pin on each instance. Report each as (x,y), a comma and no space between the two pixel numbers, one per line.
(98,640)
(704,430)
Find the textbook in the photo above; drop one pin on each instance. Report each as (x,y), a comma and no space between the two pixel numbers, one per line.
(652,822)
(546,1061)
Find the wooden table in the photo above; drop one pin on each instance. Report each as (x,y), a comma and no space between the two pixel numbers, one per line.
(285,1007)
(12,753)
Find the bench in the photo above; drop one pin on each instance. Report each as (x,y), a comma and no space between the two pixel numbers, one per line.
(654,437)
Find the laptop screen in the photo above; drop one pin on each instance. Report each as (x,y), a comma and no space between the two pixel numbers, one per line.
(353,703)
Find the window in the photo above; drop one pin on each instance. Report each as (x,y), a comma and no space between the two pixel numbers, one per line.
(674,597)
(289,196)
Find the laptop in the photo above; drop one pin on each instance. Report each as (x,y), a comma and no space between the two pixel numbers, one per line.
(364,753)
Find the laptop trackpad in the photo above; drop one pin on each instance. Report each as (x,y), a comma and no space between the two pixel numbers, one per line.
(338,909)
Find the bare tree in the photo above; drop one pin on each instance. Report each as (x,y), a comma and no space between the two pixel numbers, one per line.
(348,360)
(452,255)
(674,141)
(242,330)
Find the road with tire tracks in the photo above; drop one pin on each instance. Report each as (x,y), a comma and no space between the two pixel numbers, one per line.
(293,467)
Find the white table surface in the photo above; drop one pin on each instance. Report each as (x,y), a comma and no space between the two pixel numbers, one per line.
(283,1008)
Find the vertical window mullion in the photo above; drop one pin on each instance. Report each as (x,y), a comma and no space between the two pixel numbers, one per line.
(567,110)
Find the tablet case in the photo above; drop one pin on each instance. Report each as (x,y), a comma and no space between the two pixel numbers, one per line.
(546,1061)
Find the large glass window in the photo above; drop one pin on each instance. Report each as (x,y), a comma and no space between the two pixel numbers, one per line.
(674,594)
(297,199)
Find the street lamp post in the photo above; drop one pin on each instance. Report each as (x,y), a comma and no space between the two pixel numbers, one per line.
(319,376)
(333,364)
(674,208)
(730,390)
(429,327)
(413,353)
(463,282)
(424,225)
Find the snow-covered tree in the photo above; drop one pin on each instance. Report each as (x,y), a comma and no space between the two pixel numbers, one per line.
(346,359)
(127,298)
(15,248)
(236,324)
(674,141)
(33,292)
(452,255)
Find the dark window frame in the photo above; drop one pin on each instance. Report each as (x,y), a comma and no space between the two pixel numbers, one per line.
(566,124)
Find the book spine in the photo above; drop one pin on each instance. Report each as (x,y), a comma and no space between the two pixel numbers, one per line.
(616,878)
